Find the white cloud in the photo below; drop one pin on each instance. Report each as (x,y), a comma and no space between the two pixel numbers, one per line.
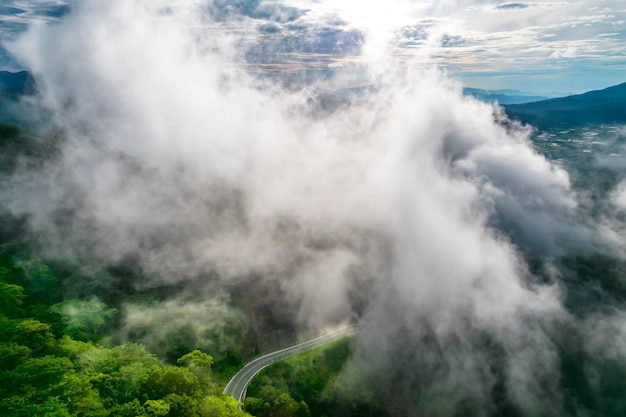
(410,206)
(501,37)
(569,52)
(618,196)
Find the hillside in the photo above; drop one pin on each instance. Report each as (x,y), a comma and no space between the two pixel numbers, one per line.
(16,81)
(502,96)
(594,107)
(17,103)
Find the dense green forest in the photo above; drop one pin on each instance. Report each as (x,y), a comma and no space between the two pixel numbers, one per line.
(55,359)
(55,362)
(61,354)
(52,365)
(307,384)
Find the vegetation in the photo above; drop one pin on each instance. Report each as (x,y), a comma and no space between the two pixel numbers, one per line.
(309,385)
(55,362)
(58,356)
(50,364)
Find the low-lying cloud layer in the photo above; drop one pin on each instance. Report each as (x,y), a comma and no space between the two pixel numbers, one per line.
(410,206)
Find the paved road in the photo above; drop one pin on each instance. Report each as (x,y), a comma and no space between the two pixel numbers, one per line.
(238,384)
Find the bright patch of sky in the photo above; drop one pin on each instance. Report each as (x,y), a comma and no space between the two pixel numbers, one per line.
(535,46)
(571,46)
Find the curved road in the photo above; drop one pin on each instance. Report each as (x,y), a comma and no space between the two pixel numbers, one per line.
(238,384)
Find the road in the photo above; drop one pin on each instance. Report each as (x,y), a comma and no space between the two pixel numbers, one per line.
(238,384)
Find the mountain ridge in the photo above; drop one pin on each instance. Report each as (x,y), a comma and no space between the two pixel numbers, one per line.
(593,107)
(16,81)
(502,96)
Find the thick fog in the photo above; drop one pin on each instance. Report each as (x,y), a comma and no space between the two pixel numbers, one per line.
(407,207)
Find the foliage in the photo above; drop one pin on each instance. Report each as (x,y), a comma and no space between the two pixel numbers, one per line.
(308,384)
(44,372)
(11,297)
(85,319)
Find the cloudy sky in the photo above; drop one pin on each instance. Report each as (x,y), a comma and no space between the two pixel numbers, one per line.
(538,46)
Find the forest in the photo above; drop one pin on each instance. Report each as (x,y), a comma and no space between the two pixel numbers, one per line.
(60,356)
(131,288)
(52,358)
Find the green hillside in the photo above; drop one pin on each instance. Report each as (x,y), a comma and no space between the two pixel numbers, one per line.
(594,107)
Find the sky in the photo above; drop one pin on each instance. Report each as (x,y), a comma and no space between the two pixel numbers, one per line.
(536,46)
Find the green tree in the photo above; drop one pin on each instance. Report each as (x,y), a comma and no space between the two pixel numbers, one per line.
(130,409)
(220,405)
(84,400)
(182,405)
(44,286)
(303,410)
(172,380)
(156,408)
(11,299)
(85,319)
(196,359)
(38,379)
(199,363)
(269,393)
(120,373)
(255,406)
(19,406)
(284,406)
(12,355)
(34,334)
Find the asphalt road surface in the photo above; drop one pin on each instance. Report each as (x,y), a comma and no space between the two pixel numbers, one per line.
(238,384)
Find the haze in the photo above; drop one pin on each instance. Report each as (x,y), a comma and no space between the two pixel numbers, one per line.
(199,146)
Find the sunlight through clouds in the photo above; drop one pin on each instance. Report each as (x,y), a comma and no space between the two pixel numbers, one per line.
(536,46)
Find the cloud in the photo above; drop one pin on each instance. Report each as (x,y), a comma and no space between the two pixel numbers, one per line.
(497,38)
(27,11)
(569,52)
(409,207)
(618,196)
(510,6)
(178,326)
(16,16)
(8,10)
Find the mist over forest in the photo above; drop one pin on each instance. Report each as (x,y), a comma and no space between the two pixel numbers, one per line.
(185,188)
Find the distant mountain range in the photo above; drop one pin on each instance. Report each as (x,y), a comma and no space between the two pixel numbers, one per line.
(16,81)
(595,107)
(23,81)
(504,96)
(14,86)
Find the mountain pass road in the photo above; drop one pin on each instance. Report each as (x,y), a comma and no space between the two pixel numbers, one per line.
(238,384)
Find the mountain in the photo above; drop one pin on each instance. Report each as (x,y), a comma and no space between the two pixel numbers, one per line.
(502,96)
(594,107)
(14,87)
(16,81)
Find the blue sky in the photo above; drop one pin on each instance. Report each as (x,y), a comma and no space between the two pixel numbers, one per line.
(537,46)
